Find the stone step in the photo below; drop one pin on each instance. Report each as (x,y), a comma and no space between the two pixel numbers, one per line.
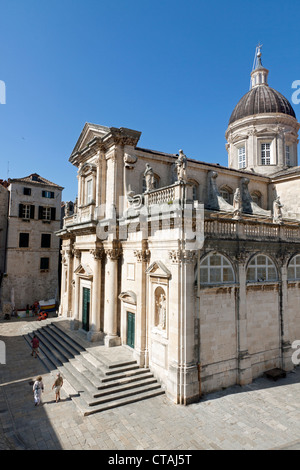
(88,410)
(129,385)
(94,378)
(122,394)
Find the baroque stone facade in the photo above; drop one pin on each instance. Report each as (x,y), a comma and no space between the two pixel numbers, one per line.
(191,265)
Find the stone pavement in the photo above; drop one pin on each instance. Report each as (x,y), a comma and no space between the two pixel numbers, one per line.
(263,415)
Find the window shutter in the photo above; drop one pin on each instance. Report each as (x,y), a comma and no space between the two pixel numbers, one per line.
(53,213)
(32,212)
(20,210)
(40,212)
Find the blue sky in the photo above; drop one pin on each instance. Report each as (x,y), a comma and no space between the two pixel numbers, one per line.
(173,70)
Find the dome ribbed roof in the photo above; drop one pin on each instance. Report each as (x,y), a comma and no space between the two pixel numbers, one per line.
(260,100)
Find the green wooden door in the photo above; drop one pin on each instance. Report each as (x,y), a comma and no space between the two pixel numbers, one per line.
(130,329)
(85,308)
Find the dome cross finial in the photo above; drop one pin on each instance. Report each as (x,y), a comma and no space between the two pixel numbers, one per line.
(259,74)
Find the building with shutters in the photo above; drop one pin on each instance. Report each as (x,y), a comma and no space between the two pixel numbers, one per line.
(194,266)
(31,251)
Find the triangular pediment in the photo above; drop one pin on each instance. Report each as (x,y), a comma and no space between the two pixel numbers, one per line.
(89,132)
(158,269)
(84,271)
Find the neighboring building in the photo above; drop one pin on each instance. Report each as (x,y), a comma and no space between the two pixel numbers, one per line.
(31,249)
(207,304)
(4,195)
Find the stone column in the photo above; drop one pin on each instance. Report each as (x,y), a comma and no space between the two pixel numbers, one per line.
(244,360)
(189,381)
(94,333)
(141,346)
(286,347)
(183,369)
(76,292)
(111,299)
(69,268)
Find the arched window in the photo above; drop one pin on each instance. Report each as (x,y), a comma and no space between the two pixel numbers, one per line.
(227,194)
(216,269)
(256,197)
(195,186)
(294,269)
(261,269)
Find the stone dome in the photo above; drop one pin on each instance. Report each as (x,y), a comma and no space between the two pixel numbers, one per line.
(260,100)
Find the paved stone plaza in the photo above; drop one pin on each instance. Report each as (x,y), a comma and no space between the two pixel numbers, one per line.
(263,415)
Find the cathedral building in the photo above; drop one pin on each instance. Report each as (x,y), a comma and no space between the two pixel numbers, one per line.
(193,266)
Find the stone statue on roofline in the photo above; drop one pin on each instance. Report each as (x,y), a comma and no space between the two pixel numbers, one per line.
(237,204)
(277,211)
(181,165)
(149,178)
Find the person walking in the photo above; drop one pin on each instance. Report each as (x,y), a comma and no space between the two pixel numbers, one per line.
(35,345)
(57,386)
(38,388)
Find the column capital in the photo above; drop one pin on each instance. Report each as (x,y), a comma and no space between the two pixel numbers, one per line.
(76,253)
(113,253)
(182,256)
(142,255)
(98,253)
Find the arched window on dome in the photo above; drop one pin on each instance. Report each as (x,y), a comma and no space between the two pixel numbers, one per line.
(216,269)
(261,269)
(294,269)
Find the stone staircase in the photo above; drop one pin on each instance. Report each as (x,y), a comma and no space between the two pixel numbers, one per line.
(96,378)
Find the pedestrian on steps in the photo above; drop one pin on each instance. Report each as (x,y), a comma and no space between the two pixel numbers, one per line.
(57,386)
(35,346)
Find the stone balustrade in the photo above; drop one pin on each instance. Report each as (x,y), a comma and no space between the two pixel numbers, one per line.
(253,230)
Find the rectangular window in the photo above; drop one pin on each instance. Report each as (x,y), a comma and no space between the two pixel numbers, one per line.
(44,263)
(242,157)
(27,191)
(26,211)
(89,191)
(287,155)
(24,240)
(48,194)
(47,213)
(266,153)
(45,240)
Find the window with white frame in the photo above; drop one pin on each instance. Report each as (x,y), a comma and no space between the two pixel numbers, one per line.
(26,211)
(294,269)
(288,155)
(46,213)
(242,157)
(265,153)
(89,191)
(216,269)
(261,269)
